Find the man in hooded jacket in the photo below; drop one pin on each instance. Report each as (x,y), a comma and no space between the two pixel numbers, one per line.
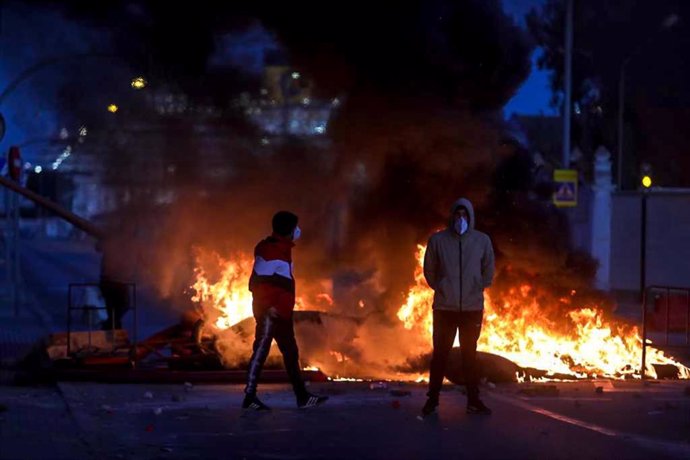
(458,266)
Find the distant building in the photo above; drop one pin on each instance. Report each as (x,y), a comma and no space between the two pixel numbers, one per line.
(286,105)
(151,154)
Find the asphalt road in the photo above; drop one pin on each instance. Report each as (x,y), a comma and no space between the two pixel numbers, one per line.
(628,420)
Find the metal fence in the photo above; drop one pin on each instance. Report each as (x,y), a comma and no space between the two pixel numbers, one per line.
(73,306)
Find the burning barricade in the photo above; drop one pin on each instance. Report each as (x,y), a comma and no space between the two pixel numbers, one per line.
(527,334)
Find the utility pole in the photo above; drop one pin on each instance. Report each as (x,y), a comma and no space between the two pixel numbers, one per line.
(567,109)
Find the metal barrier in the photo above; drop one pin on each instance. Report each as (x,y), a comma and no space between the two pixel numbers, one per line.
(132,305)
(667,296)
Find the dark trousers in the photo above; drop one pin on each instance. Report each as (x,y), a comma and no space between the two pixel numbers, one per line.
(446,323)
(270,326)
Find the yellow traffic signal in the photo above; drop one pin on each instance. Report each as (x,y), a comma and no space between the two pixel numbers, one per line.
(646,181)
(112,108)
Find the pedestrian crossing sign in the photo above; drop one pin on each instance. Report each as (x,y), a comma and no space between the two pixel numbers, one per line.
(565,193)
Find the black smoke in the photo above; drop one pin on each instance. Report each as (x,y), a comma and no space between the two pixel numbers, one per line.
(422,84)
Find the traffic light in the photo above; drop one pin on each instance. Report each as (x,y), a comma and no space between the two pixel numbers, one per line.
(646,175)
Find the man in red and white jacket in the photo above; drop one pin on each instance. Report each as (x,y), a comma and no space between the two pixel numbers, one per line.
(273,290)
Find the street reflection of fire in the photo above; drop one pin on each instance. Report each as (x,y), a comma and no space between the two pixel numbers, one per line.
(550,334)
(525,324)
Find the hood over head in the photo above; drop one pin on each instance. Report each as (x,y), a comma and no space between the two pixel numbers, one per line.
(465,203)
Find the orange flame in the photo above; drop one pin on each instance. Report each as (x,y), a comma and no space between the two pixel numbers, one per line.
(516,328)
(221,287)
(310,368)
(581,342)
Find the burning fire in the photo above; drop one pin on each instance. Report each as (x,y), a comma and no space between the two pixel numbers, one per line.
(221,287)
(553,336)
(523,330)
(310,368)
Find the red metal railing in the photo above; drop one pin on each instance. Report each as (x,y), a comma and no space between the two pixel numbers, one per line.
(665,312)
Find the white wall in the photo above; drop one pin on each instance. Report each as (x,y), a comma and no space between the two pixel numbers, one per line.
(668,240)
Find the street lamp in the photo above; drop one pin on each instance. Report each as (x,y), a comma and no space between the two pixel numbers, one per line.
(646,182)
(112,108)
(568,73)
(138,83)
(670,21)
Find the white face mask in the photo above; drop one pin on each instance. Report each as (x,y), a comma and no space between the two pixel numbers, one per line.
(296,234)
(461,225)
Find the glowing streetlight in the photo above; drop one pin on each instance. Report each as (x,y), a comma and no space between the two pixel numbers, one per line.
(138,83)
(112,108)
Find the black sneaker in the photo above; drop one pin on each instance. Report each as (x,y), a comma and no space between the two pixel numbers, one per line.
(251,402)
(430,406)
(310,400)
(477,407)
